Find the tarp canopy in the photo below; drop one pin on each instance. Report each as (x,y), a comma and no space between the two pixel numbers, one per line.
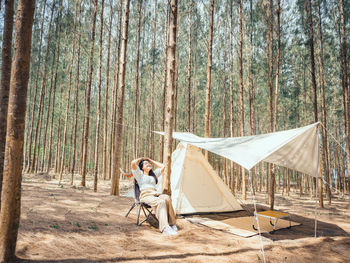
(297,149)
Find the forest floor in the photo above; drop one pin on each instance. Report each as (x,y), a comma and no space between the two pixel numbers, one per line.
(64,223)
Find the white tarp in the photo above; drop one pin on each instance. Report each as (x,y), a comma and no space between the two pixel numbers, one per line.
(296,149)
(195,186)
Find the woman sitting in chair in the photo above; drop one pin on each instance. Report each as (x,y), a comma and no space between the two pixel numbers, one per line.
(147,180)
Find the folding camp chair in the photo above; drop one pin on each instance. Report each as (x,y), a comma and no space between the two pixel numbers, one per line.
(147,210)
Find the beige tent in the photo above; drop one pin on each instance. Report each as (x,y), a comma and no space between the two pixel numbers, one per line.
(195,186)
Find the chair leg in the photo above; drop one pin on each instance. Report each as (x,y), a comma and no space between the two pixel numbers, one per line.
(138,215)
(132,207)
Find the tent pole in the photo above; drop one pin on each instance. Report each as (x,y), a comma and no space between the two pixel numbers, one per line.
(256,217)
(318,162)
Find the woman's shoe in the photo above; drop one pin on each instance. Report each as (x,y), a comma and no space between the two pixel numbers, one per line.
(174,227)
(168,231)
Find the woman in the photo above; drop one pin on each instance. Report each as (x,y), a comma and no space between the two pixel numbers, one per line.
(147,180)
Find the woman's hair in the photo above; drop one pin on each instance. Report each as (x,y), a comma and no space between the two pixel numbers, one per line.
(151,173)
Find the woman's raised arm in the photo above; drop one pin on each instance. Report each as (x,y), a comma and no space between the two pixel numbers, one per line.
(135,162)
(158,164)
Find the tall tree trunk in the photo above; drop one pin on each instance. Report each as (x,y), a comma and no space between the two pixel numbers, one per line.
(12,176)
(76,96)
(169,118)
(231,96)
(33,166)
(325,152)
(271,174)
(209,66)
(106,93)
(48,110)
(241,90)
(5,79)
(88,95)
(152,153)
(98,112)
(250,78)
(29,140)
(120,104)
(63,154)
(55,83)
(189,70)
(115,93)
(164,81)
(275,107)
(314,84)
(136,91)
(345,86)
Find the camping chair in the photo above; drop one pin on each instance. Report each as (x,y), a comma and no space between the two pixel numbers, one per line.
(147,210)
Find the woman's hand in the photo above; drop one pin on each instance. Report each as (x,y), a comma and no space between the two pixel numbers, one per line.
(135,163)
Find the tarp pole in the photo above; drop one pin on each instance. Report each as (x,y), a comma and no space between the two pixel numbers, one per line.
(256,217)
(319,167)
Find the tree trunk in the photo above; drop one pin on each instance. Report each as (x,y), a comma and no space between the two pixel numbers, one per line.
(120,104)
(231,97)
(152,153)
(189,70)
(76,96)
(33,166)
(325,153)
(63,154)
(271,174)
(241,92)
(313,76)
(29,150)
(345,86)
(5,79)
(136,91)
(98,112)
(169,118)
(106,93)
(275,108)
(164,82)
(209,66)
(12,176)
(55,83)
(88,95)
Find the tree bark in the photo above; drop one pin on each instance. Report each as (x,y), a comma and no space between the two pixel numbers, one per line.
(33,166)
(76,96)
(189,63)
(231,97)
(120,104)
(55,83)
(313,77)
(271,174)
(136,91)
(152,153)
(241,92)
(29,144)
(88,96)
(209,66)
(63,153)
(106,93)
(6,59)
(115,93)
(325,152)
(98,112)
(345,85)
(169,118)
(12,176)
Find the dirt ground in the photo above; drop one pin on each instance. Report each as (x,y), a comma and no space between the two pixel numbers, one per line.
(64,223)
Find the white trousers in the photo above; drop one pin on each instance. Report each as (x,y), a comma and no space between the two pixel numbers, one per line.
(162,205)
